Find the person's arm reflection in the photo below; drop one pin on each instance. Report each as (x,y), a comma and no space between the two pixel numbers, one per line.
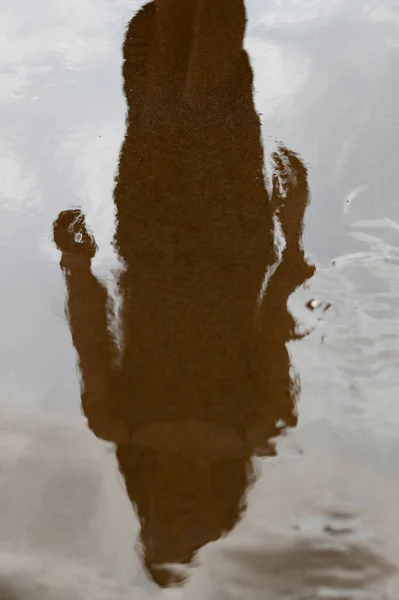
(205,374)
(87,310)
(274,323)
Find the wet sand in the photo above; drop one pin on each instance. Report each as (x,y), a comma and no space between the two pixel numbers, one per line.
(217,407)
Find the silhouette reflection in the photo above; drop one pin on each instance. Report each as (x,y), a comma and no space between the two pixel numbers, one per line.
(202,381)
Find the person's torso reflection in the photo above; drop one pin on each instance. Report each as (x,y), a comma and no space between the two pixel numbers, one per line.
(202,381)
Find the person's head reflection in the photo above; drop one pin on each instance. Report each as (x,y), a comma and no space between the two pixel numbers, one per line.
(203,379)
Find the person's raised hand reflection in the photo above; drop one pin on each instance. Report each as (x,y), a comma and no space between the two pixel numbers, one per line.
(203,378)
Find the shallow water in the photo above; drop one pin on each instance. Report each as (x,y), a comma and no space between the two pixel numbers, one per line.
(205,382)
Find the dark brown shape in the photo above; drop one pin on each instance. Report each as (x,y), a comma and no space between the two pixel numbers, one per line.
(203,377)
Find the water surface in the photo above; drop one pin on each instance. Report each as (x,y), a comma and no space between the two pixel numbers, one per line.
(257,412)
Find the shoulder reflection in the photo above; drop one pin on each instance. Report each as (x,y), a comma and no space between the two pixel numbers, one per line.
(202,381)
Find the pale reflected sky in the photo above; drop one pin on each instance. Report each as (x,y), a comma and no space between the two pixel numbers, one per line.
(337,60)
(62,125)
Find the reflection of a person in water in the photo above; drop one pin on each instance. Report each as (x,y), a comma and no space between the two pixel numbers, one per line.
(202,381)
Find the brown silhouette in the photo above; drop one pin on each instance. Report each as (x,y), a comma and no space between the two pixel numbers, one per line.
(202,381)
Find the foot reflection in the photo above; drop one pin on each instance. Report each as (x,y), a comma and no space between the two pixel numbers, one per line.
(202,382)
